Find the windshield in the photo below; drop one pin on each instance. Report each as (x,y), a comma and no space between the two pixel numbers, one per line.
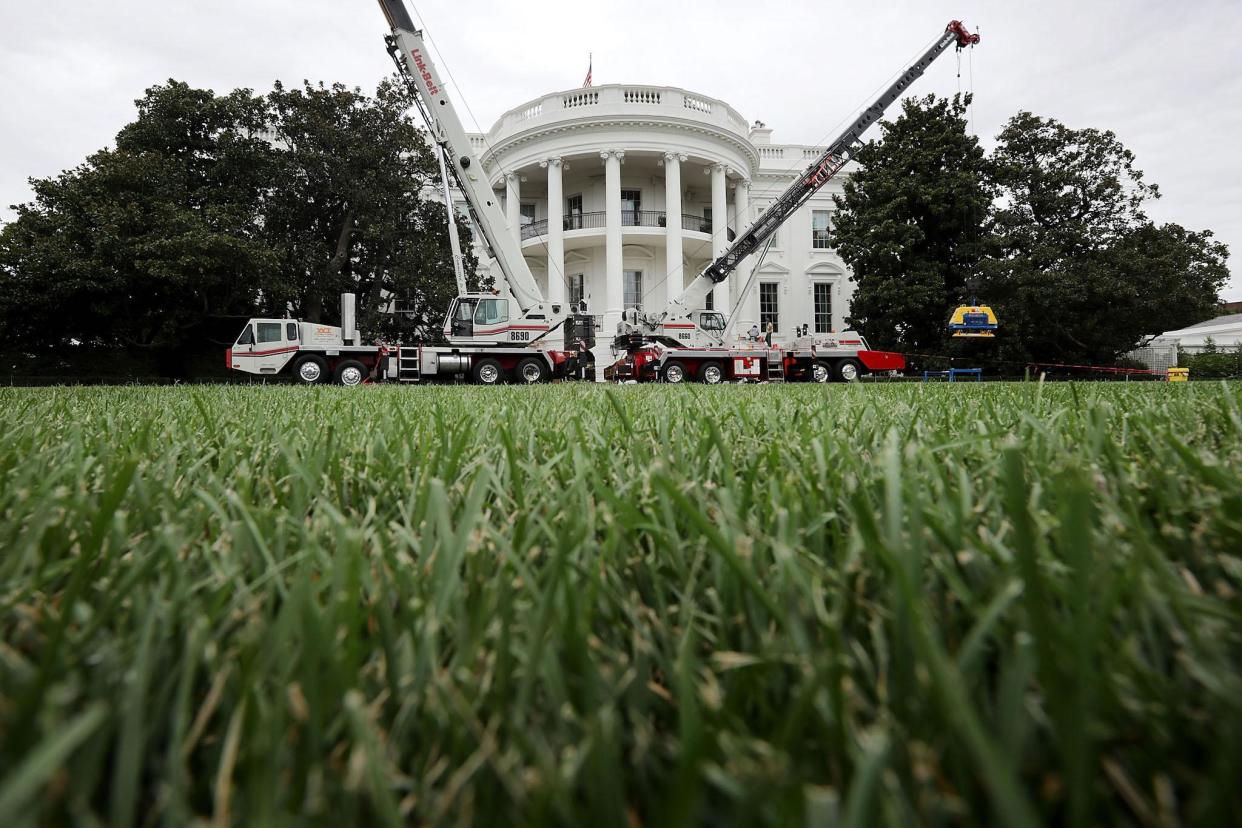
(492,312)
(712,322)
(247,336)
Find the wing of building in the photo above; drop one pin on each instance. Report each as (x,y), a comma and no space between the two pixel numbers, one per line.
(1223,332)
(620,195)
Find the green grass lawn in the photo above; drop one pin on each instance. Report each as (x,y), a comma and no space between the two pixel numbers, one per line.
(981,604)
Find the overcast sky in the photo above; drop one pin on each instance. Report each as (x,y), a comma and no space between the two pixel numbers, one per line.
(1167,78)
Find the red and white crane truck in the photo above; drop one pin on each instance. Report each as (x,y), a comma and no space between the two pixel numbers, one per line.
(490,338)
(681,343)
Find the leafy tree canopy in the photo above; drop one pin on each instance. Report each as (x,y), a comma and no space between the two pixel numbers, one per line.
(1050,230)
(910,223)
(1078,271)
(237,205)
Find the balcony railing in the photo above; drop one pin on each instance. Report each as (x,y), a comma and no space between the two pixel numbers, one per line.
(629,218)
(618,101)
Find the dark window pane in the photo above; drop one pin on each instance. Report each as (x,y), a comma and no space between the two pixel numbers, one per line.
(769,306)
(269,332)
(633,289)
(823,307)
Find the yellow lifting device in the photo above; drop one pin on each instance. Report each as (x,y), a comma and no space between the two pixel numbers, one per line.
(973,321)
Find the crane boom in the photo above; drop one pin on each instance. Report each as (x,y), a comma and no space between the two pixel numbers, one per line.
(409,51)
(819,173)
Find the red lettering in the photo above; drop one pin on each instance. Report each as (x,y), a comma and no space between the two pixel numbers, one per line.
(432,87)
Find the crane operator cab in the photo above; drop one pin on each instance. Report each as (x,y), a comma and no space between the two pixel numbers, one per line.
(486,317)
(713,322)
(973,322)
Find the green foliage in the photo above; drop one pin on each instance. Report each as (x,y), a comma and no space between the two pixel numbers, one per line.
(1213,362)
(196,216)
(1049,230)
(349,215)
(910,224)
(140,243)
(1079,272)
(998,604)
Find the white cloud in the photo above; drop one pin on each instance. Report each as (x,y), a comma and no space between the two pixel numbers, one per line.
(1167,84)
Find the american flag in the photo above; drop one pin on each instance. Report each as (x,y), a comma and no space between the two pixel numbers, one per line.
(590,71)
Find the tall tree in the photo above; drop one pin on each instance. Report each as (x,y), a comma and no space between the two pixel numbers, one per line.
(138,244)
(1080,273)
(235,205)
(911,224)
(350,214)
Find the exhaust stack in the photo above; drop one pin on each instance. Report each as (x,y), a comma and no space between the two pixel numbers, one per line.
(349,319)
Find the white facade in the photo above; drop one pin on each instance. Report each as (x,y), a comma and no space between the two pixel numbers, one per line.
(1224,332)
(623,194)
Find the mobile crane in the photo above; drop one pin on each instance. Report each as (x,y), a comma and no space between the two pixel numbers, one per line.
(682,342)
(490,338)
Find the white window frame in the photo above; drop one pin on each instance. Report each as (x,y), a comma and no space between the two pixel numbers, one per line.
(827,230)
(815,288)
(626,293)
(775,314)
(570,212)
(637,210)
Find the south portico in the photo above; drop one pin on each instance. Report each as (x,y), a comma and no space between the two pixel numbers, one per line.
(619,196)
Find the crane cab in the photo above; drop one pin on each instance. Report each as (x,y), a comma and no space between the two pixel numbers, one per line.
(973,321)
(490,319)
(711,321)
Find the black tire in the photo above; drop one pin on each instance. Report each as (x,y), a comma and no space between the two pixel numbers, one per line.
(531,371)
(847,370)
(487,372)
(351,373)
(711,373)
(674,373)
(820,372)
(310,370)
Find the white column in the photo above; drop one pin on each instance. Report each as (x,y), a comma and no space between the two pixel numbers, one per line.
(741,221)
(720,230)
(676,282)
(556,232)
(513,205)
(613,276)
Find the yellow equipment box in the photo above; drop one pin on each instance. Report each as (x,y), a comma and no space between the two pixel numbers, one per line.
(1179,375)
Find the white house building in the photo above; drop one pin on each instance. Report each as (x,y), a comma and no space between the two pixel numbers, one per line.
(621,195)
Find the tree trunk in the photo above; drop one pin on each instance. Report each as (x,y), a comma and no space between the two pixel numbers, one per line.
(325,276)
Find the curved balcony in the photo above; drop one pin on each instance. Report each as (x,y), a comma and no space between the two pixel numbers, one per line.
(629,218)
(660,106)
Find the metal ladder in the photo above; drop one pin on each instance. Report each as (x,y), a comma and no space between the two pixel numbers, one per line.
(408,365)
(776,366)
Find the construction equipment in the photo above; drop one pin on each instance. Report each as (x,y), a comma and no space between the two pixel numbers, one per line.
(697,341)
(973,322)
(491,338)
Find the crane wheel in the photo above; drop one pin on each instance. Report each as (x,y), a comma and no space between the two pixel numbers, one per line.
(531,371)
(674,373)
(847,370)
(821,371)
(310,370)
(351,373)
(710,373)
(487,372)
